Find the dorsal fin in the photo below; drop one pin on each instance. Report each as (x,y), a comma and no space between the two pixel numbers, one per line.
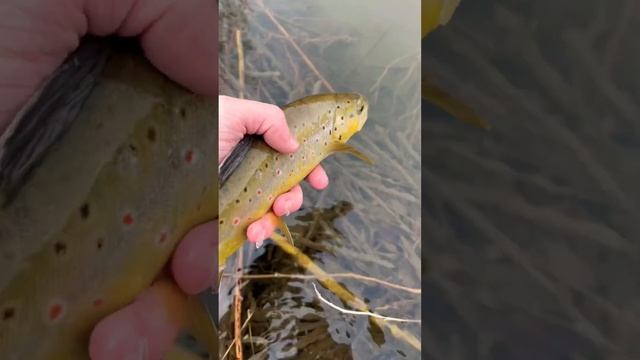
(45,121)
(235,158)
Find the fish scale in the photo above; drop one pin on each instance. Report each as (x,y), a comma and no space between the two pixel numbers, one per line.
(99,215)
(321,124)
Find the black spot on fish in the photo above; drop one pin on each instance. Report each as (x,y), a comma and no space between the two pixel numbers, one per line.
(84,211)
(60,248)
(245,189)
(8,313)
(151,134)
(221,222)
(341,117)
(237,201)
(100,243)
(340,137)
(183,112)
(335,129)
(323,127)
(250,200)
(361,108)
(338,106)
(348,101)
(276,158)
(266,165)
(329,131)
(133,148)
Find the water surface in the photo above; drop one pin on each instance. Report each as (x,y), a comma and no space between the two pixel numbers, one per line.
(367,222)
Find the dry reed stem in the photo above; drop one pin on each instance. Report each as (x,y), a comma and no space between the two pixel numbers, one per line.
(302,54)
(324,278)
(333,275)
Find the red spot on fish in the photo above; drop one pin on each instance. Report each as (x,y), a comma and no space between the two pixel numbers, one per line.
(259,192)
(55,312)
(188,156)
(98,302)
(236,221)
(127,219)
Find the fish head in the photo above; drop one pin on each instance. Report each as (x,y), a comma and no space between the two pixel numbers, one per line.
(350,116)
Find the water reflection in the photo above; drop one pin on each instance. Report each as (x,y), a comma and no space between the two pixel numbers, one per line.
(369,49)
(532,227)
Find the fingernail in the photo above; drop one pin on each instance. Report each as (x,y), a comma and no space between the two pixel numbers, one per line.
(259,237)
(293,142)
(259,244)
(287,207)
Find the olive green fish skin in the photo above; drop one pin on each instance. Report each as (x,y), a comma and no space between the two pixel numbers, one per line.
(101,214)
(320,123)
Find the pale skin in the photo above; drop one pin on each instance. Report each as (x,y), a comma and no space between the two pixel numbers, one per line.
(180,38)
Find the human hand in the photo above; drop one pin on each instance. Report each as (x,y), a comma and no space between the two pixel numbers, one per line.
(180,39)
(237,118)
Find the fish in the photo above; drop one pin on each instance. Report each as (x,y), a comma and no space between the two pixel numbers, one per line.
(322,124)
(101,175)
(436,13)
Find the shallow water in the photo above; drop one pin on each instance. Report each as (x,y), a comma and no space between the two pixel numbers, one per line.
(367,221)
(531,229)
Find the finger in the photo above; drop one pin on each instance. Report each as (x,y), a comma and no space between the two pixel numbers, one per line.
(189,27)
(194,263)
(262,229)
(179,37)
(253,117)
(318,178)
(288,202)
(145,329)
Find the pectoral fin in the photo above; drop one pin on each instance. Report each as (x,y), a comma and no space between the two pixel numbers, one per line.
(285,230)
(336,148)
(201,324)
(453,106)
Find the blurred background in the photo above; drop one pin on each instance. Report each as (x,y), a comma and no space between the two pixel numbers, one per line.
(531,229)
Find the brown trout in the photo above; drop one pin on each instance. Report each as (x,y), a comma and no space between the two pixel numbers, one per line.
(99,179)
(322,124)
